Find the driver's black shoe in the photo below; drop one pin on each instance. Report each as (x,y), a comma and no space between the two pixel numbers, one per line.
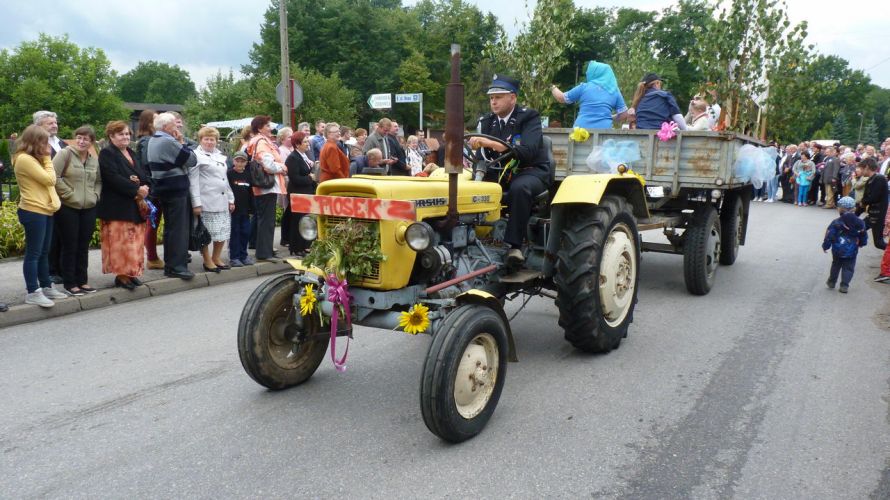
(515,258)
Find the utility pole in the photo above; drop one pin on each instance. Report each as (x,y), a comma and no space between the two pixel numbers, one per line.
(285,65)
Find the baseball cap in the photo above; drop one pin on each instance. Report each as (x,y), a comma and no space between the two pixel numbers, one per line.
(240,154)
(846,202)
(649,78)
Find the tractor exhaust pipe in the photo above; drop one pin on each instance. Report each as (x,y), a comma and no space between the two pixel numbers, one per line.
(454,135)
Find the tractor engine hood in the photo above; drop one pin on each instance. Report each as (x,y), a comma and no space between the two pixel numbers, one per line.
(430,195)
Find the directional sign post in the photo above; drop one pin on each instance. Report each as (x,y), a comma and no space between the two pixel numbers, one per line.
(412,99)
(380,101)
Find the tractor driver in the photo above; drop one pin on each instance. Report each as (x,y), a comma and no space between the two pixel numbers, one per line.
(527,175)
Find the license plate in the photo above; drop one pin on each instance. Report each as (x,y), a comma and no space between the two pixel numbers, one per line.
(655,191)
(347,206)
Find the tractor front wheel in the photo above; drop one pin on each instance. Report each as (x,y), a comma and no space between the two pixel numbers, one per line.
(464,372)
(273,352)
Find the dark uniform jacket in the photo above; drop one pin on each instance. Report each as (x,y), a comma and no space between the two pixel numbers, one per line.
(523,132)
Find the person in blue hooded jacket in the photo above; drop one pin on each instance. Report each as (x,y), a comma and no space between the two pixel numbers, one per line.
(599,100)
(653,106)
(844,237)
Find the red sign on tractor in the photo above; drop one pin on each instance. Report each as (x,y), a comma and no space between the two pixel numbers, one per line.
(359,208)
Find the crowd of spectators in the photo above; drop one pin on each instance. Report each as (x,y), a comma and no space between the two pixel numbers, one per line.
(161,178)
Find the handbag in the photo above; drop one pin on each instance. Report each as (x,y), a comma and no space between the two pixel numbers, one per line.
(199,236)
(259,177)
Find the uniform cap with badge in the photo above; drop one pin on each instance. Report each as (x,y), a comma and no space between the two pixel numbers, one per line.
(503,84)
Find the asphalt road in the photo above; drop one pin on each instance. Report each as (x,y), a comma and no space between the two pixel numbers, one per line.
(771,386)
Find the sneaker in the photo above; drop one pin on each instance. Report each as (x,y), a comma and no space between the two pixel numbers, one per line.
(236,263)
(249,261)
(843,289)
(830,284)
(53,294)
(38,299)
(770,201)
(56,279)
(882,278)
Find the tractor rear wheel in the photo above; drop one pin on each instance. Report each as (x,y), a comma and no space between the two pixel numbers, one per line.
(597,274)
(272,350)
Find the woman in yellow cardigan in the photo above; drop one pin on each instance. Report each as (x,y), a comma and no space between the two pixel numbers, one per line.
(38,201)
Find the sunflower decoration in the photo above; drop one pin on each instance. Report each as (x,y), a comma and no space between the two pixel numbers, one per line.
(308,300)
(579,134)
(415,320)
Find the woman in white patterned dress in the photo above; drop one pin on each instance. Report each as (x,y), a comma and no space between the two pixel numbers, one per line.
(212,197)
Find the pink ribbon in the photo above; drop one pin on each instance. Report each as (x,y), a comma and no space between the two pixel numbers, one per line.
(667,131)
(338,293)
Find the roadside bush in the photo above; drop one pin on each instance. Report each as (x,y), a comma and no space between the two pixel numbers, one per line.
(12,234)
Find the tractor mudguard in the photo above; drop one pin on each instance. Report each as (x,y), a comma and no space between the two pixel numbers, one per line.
(590,189)
(481,297)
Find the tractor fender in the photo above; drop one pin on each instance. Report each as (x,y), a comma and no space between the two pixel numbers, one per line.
(590,189)
(481,297)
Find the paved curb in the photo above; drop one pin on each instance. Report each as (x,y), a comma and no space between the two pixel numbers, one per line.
(25,313)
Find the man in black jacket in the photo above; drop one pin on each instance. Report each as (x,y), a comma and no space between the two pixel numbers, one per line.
(529,173)
(874,201)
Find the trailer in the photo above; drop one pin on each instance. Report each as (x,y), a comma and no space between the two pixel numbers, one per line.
(692,192)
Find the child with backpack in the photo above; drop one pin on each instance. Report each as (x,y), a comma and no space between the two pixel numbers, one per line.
(844,236)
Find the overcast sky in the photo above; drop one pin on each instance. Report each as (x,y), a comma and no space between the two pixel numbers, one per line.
(205,37)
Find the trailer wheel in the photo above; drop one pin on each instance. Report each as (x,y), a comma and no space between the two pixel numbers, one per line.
(597,274)
(731,229)
(268,345)
(464,373)
(701,250)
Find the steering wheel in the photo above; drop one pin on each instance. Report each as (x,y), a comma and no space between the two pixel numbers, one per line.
(480,167)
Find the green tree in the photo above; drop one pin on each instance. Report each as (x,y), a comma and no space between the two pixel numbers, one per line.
(674,38)
(877,104)
(414,76)
(825,133)
(324,97)
(841,129)
(870,133)
(156,82)
(736,50)
(537,54)
(443,22)
(55,74)
(223,98)
(363,41)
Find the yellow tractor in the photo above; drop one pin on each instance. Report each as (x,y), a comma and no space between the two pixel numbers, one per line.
(444,260)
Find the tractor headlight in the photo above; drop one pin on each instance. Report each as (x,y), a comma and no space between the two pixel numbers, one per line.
(419,236)
(308,228)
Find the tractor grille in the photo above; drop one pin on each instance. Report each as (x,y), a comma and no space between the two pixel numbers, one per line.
(330,222)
